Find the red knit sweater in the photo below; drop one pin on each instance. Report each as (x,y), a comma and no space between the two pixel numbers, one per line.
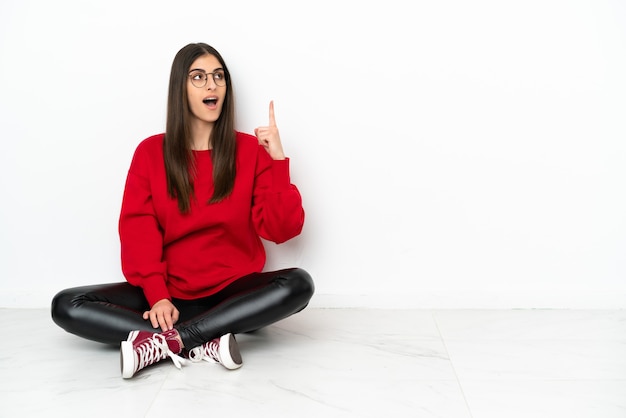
(188,256)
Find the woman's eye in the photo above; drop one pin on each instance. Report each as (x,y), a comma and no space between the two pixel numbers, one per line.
(218,75)
(197,76)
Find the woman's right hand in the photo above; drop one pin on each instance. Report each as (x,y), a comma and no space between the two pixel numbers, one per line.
(163,314)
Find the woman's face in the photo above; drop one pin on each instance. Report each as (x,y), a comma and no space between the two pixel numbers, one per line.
(206,101)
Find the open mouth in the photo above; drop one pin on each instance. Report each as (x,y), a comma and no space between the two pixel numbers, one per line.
(211,101)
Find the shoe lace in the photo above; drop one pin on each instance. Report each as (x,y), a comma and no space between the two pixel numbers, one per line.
(154,349)
(207,352)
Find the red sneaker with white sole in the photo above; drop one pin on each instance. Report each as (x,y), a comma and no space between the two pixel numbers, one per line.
(143,348)
(223,350)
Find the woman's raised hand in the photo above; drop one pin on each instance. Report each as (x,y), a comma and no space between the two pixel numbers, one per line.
(270,139)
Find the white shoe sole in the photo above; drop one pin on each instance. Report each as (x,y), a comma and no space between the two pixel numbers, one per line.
(127,356)
(229,352)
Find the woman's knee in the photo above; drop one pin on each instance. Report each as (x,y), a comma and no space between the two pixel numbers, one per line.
(62,305)
(301,283)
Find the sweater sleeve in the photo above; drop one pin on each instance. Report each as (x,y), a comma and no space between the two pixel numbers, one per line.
(141,237)
(277,210)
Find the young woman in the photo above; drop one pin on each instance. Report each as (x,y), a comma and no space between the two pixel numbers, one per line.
(196,202)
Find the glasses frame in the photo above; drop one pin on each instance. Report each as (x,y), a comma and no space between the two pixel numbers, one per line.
(219,83)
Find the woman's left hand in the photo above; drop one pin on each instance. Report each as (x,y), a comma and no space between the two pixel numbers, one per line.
(270,139)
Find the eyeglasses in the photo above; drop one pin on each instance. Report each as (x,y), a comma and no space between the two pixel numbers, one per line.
(199,78)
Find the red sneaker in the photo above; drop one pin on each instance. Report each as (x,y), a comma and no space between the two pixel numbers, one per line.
(143,348)
(223,350)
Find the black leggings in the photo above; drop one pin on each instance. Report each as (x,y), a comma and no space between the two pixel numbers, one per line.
(107,313)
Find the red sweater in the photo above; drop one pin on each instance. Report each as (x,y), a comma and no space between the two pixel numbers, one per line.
(189,256)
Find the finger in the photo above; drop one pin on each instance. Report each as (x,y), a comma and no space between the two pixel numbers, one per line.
(260,134)
(153,320)
(164,318)
(272,118)
(162,322)
(175,317)
(168,321)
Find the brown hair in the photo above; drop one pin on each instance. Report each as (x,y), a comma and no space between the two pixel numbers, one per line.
(179,167)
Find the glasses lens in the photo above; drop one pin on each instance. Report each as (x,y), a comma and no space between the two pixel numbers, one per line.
(220,78)
(198,79)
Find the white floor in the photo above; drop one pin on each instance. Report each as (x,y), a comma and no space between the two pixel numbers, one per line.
(338,363)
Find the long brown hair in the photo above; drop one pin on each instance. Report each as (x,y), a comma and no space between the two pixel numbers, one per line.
(179,162)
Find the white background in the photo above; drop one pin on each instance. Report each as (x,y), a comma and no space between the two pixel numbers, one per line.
(450,153)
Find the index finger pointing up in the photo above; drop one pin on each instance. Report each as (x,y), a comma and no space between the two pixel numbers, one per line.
(272,119)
